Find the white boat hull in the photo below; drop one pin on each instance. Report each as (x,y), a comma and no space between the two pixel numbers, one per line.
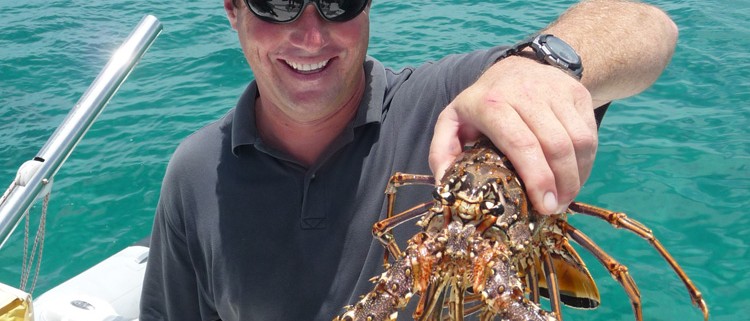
(109,291)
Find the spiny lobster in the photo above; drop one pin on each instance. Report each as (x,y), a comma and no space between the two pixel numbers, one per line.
(484,250)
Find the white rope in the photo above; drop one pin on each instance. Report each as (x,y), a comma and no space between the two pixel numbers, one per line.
(25,172)
(8,191)
(39,239)
(36,249)
(24,262)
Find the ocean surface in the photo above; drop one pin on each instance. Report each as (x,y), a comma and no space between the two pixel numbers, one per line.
(676,157)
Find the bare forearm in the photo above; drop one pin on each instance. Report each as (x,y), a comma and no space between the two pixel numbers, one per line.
(624,45)
(541,117)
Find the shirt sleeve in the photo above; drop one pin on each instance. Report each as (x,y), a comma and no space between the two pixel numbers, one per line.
(459,71)
(170,288)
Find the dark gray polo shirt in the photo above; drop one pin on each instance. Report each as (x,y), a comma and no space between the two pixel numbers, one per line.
(243,232)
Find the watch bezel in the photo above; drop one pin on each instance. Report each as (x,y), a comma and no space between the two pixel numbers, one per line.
(557,52)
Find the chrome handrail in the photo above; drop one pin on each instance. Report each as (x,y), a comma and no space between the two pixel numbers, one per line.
(20,196)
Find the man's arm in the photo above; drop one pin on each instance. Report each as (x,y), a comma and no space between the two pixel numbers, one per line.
(624,45)
(541,117)
(169,287)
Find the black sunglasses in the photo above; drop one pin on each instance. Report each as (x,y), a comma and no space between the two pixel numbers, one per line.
(284,11)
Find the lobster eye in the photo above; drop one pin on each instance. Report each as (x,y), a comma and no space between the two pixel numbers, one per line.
(492,208)
(446,198)
(436,195)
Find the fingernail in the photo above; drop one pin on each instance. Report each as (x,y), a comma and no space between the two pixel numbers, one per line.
(550,202)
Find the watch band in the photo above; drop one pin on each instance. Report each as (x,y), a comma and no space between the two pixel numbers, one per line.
(550,50)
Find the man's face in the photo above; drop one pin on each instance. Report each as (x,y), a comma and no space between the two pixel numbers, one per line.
(308,68)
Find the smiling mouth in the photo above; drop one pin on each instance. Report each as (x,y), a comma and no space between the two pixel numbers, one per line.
(307,68)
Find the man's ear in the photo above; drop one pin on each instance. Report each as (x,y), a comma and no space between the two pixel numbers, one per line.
(231,10)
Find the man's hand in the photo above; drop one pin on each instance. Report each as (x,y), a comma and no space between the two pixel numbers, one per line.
(541,118)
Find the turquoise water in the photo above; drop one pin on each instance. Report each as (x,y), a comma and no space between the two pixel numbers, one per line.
(676,157)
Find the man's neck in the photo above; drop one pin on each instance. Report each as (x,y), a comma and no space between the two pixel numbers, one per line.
(305,141)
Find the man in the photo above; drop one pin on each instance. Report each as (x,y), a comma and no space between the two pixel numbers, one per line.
(266,214)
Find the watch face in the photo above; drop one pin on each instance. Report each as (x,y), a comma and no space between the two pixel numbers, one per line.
(563,50)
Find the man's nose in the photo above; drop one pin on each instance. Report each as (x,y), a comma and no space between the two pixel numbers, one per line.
(310,27)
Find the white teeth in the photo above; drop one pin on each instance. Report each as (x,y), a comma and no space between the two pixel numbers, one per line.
(307,67)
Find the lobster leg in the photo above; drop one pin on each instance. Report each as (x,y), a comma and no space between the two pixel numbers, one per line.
(618,271)
(456,302)
(432,300)
(472,303)
(383,230)
(487,315)
(620,220)
(401,179)
(532,280)
(469,310)
(554,289)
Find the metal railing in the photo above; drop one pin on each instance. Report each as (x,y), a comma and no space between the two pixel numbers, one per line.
(38,173)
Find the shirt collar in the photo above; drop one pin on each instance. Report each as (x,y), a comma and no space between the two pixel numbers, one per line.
(244,131)
(370,110)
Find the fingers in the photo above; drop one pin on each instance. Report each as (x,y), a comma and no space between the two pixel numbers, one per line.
(566,134)
(546,128)
(583,135)
(445,145)
(517,136)
(448,141)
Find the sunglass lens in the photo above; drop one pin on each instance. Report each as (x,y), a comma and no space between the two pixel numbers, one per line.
(276,10)
(288,10)
(341,10)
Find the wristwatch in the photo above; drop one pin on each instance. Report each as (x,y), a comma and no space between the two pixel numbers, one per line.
(552,51)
